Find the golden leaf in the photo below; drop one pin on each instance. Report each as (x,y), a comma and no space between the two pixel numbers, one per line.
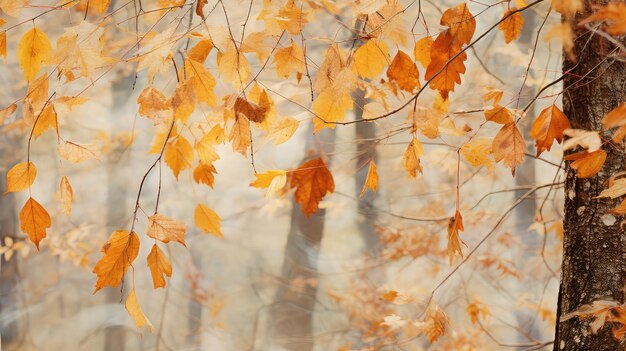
(47,119)
(202,81)
(135,312)
(21,176)
(165,229)
(403,71)
(284,130)
(233,67)
(154,106)
(207,220)
(511,26)
(289,60)
(421,52)
(34,220)
(312,181)
(330,106)
(74,152)
(371,58)
(159,265)
(67,195)
(371,181)
(240,135)
(33,50)
(499,114)
(477,152)
(203,174)
(179,155)
(454,242)
(119,252)
(411,158)
(509,145)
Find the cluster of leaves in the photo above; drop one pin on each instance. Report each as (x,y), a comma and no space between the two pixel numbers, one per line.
(179,90)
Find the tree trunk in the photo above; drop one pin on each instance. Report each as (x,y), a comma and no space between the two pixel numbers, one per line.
(594,245)
(294,307)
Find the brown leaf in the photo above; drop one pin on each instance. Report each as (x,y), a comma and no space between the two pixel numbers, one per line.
(252,111)
(312,181)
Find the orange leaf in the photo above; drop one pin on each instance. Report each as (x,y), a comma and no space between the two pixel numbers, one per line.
(403,71)
(371,181)
(34,220)
(499,114)
(454,242)
(621,209)
(166,229)
(512,26)
(508,145)
(444,71)
(461,22)
(411,158)
(549,126)
(178,155)
(21,176)
(203,174)
(207,220)
(119,253)
(421,52)
(159,265)
(614,14)
(252,111)
(312,181)
(587,164)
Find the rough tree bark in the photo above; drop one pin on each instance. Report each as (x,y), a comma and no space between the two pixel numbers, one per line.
(594,248)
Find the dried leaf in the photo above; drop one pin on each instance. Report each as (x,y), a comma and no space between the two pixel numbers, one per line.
(119,253)
(21,176)
(548,127)
(411,159)
(179,155)
(371,181)
(166,229)
(135,312)
(67,195)
(511,26)
(587,164)
(312,181)
(509,146)
(34,220)
(371,58)
(207,220)
(403,71)
(159,265)
(454,242)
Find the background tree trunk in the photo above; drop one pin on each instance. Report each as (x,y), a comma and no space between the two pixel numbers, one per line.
(294,307)
(594,245)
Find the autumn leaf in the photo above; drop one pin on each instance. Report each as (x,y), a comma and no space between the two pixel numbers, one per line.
(548,127)
(477,152)
(454,242)
(252,111)
(512,25)
(422,49)
(403,71)
(614,14)
(509,146)
(587,164)
(75,152)
(461,22)
(204,174)
(233,67)
(288,60)
(179,155)
(371,181)
(499,114)
(33,50)
(119,253)
(475,310)
(586,139)
(371,58)
(165,229)
(47,119)
(154,106)
(135,312)
(616,118)
(21,176)
(34,220)
(312,181)
(411,159)
(240,136)
(159,265)
(330,107)
(284,130)
(207,220)
(443,71)
(567,7)
(202,81)
(67,195)
(616,189)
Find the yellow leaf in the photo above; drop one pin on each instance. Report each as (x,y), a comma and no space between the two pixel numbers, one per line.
(284,129)
(200,51)
(47,119)
(371,58)
(411,159)
(166,229)
(202,81)
(454,242)
(403,71)
(183,101)
(67,195)
(371,181)
(240,135)
(13,7)
(135,312)
(290,18)
(21,176)
(154,106)
(203,174)
(159,265)
(477,151)
(5,112)
(100,5)
(567,7)
(263,180)
(499,114)
(207,220)
(74,152)
(312,181)
(37,91)
(34,220)
(205,147)
(33,50)
(330,107)
(179,155)
(511,26)
(509,145)
(421,52)
(289,60)
(119,253)
(233,67)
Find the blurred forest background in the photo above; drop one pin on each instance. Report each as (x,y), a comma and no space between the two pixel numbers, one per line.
(354,275)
